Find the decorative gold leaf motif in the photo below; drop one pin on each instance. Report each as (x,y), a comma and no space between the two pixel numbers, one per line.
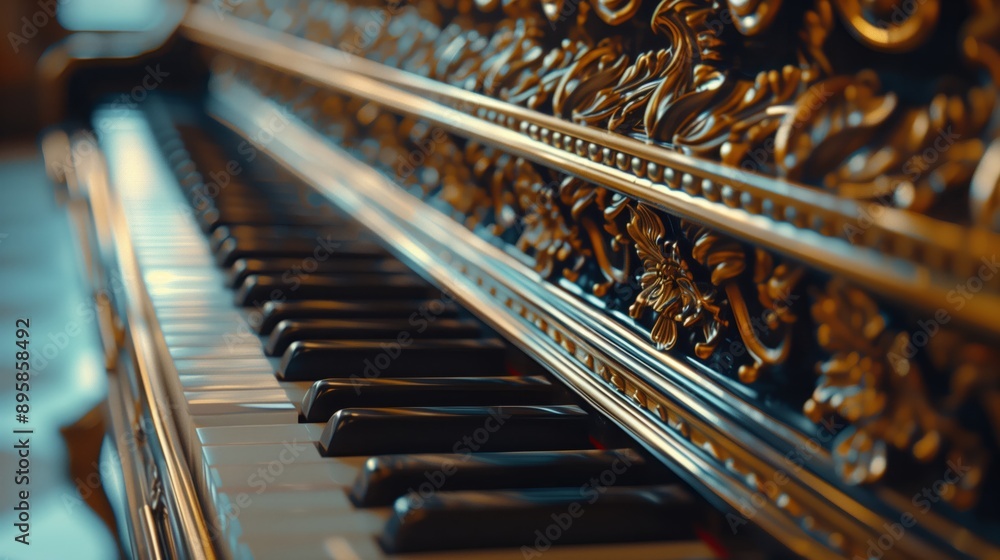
(726,258)
(669,290)
(873,380)
(546,234)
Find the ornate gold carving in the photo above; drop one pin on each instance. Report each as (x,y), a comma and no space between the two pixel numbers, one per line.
(798,112)
(608,244)
(803,114)
(669,289)
(546,234)
(761,483)
(874,380)
(726,258)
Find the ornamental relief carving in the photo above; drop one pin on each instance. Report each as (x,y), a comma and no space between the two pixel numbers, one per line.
(666,73)
(804,91)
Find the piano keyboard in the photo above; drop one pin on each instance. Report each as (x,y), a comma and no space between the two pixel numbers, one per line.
(338,406)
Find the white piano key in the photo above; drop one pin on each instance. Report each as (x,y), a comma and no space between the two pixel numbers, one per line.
(291,501)
(251,547)
(216,353)
(193,314)
(225,337)
(294,451)
(235,400)
(328,474)
(250,416)
(357,522)
(242,366)
(233,324)
(350,523)
(227,382)
(238,435)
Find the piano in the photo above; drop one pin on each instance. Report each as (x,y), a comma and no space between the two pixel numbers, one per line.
(499,279)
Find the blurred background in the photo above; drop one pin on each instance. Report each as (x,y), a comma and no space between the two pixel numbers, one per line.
(41,280)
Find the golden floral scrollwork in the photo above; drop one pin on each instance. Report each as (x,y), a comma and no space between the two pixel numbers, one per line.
(727,259)
(534,86)
(472,202)
(518,54)
(836,134)
(855,383)
(981,47)
(546,234)
(669,290)
(875,380)
(621,107)
(974,381)
(980,40)
(689,81)
(597,211)
(596,69)
(835,118)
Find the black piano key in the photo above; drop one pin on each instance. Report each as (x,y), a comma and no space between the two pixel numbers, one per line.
(539,518)
(327,397)
(413,310)
(257,233)
(297,268)
(214,217)
(459,429)
(405,357)
(258,289)
(321,248)
(293,330)
(387,477)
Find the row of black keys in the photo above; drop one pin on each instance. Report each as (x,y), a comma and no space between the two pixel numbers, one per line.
(340,323)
